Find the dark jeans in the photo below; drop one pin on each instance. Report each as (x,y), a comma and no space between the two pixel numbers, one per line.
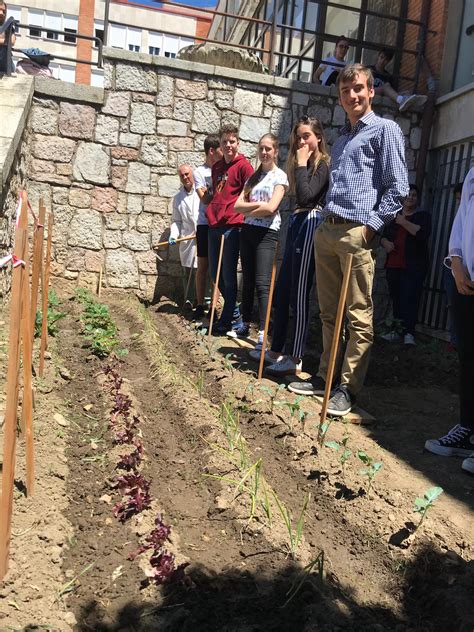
(405,286)
(463,312)
(228,274)
(294,283)
(257,252)
(450,289)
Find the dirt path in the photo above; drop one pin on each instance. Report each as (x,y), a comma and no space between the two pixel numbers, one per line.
(373,577)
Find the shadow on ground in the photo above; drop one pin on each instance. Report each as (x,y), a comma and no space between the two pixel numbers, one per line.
(434,594)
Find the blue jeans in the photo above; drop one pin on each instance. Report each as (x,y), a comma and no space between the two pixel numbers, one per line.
(228,274)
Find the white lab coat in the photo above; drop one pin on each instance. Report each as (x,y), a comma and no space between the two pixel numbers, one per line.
(184,220)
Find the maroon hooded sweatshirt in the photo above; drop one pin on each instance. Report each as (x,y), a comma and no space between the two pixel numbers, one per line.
(228,181)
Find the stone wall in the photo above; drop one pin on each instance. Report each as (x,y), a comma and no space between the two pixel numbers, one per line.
(106,163)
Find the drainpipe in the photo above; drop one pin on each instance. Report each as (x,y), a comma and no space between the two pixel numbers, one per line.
(429,110)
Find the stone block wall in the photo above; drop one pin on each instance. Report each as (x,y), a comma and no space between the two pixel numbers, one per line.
(106,163)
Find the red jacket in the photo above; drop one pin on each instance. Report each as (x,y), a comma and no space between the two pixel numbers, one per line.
(228,180)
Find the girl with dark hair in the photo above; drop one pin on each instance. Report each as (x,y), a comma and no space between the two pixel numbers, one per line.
(308,175)
(259,202)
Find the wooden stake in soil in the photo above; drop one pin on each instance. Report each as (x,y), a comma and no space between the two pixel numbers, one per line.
(44,324)
(99,285)
(335,339)
(38,237)
(267,316)
(27,332)
(216,286)
(11,407)
(166,243)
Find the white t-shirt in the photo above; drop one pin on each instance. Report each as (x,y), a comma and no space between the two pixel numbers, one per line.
(331,64)
(203,180)
(263,192)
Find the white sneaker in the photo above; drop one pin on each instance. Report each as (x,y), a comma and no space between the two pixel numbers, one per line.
(255,355)
(468,464)
(285,366)
(408,339)
(407,102)
(391,336)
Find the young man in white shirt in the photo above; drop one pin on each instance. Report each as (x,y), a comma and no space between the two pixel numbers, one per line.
(203,186)
(327,73)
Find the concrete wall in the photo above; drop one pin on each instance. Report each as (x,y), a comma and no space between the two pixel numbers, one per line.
(454,117)
(108,165)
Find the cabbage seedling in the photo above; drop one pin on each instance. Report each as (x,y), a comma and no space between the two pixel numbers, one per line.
(423,505)
(345,454)
(372,468)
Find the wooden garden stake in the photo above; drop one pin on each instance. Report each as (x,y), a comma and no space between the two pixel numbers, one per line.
(27,354)
(267,316)
(99,286)
(335,339)
(216,285)
(44,324)
(11,407)
(166,243)
(38,238)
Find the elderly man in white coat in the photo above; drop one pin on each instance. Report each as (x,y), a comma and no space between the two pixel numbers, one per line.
(184,220)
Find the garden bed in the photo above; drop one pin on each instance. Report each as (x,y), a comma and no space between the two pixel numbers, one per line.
(213,441)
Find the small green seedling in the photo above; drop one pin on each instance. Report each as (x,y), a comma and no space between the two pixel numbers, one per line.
(306,575)
(294,409)
(294,535)
(200,383)
(345,454)
(228,364)
(322,430)
(372,468)
(272,393)
(423,505)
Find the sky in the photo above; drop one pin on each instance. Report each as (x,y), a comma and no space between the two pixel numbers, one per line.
(194,3)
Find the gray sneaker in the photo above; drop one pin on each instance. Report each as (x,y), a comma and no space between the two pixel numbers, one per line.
(315,387)
(341,401)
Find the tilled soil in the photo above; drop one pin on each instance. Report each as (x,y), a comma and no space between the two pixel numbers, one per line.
(377,574)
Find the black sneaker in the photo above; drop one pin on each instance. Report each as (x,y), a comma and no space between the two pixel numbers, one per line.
(458,442)
(341,401)
(315,387)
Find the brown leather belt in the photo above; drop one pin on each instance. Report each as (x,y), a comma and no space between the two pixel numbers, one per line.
(335,219)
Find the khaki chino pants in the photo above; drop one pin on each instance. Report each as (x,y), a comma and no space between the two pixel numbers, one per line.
(332,244)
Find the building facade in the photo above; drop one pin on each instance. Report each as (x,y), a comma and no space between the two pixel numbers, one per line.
(158,30)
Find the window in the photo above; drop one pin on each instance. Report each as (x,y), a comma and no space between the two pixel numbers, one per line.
(118,36)
(134,39)
(170,45)
(97,78)
(98,31)
(153,50)
(53,21)
(35,19)
(170,55)
(155,43)
(70,26)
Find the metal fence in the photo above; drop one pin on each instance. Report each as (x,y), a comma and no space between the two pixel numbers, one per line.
(447,167)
